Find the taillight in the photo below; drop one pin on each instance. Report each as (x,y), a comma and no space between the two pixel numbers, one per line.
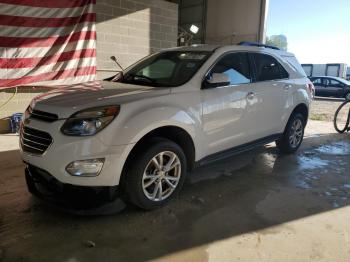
(311,88)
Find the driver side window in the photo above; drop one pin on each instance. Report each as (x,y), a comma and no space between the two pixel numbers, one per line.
(235,66)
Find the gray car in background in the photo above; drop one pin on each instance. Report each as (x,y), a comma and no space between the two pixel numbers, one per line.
(329,86)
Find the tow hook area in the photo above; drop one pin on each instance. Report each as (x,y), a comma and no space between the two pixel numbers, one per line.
(79,200)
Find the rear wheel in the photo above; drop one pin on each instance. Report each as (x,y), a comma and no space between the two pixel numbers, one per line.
(293,134)
(156,175)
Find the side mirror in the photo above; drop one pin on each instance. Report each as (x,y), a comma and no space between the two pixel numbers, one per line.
(216,80)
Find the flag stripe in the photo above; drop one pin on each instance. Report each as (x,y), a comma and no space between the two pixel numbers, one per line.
(16,31)
(50,4)
(15,10)
(45,51)
(50,42)
(23,21)
(23,42)
(89,70)
(70,64)
(40,61)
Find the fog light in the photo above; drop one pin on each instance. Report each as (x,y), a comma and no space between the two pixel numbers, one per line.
(85,168)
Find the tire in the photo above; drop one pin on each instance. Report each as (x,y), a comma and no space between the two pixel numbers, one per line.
(346,126)
(145,191)
(286,144)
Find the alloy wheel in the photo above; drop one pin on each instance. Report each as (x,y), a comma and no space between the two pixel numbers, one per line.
(296,133)
(161,176)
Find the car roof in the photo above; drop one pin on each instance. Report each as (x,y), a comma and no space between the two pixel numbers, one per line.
(225,48)
(209,48)
(333,77)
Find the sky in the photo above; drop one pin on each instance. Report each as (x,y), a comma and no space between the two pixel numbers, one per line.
(318,31)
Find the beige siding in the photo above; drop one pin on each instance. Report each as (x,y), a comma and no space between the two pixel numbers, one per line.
(233,21)
(130,30)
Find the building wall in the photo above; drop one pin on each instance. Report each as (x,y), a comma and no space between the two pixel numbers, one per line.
(233,21)
(129,30)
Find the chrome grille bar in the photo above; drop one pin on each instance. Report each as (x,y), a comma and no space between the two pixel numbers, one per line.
(34,141)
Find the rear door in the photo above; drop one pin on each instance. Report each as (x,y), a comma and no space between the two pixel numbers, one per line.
(334,88)
(271,91)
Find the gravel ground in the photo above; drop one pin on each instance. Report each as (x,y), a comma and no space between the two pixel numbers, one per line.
(323,109)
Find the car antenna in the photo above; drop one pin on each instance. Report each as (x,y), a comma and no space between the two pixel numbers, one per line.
(114,59)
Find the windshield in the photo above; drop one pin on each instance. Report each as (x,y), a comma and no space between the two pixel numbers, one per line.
(166,69)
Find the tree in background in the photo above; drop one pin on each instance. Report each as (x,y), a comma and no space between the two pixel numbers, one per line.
(278,40)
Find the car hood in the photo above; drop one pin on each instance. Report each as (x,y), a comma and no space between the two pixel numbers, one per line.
(64,101)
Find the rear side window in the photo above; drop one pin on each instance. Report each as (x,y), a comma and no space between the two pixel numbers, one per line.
(295,65)
(236,67)
(268,68)
(334,82)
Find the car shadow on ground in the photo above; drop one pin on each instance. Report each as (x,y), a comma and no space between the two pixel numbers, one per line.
(251,191)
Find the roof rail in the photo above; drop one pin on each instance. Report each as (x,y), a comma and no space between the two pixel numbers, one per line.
(246,43)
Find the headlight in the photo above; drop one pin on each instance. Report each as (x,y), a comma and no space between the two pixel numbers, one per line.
(90,121)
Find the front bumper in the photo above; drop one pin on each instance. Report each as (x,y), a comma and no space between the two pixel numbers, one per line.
(77,199)
(64,150)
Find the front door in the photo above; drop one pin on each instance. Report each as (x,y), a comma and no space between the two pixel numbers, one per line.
(319,86)
(334,88)
(225,107)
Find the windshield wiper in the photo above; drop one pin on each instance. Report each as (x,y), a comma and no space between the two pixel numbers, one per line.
(142,78)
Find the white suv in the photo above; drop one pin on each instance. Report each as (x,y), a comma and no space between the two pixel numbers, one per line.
(138,135)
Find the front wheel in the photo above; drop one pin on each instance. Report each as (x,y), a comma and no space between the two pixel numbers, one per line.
(293,134)
(156,175)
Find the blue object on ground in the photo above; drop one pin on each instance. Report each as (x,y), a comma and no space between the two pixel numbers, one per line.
(15,122)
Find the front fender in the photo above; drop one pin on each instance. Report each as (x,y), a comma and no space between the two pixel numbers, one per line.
(130,128)
(161,117)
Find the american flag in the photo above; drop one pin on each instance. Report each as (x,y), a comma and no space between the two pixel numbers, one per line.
(47,42)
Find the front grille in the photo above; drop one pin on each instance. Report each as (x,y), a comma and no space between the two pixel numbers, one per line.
(34,141)
(41,115)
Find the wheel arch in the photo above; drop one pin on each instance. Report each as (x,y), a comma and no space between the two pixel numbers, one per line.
(303,109)
(173,133)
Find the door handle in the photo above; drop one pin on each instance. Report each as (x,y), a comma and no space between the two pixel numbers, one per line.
(250,95)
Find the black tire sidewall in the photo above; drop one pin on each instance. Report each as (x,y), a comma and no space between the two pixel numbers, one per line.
(284,143)
(135,173)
